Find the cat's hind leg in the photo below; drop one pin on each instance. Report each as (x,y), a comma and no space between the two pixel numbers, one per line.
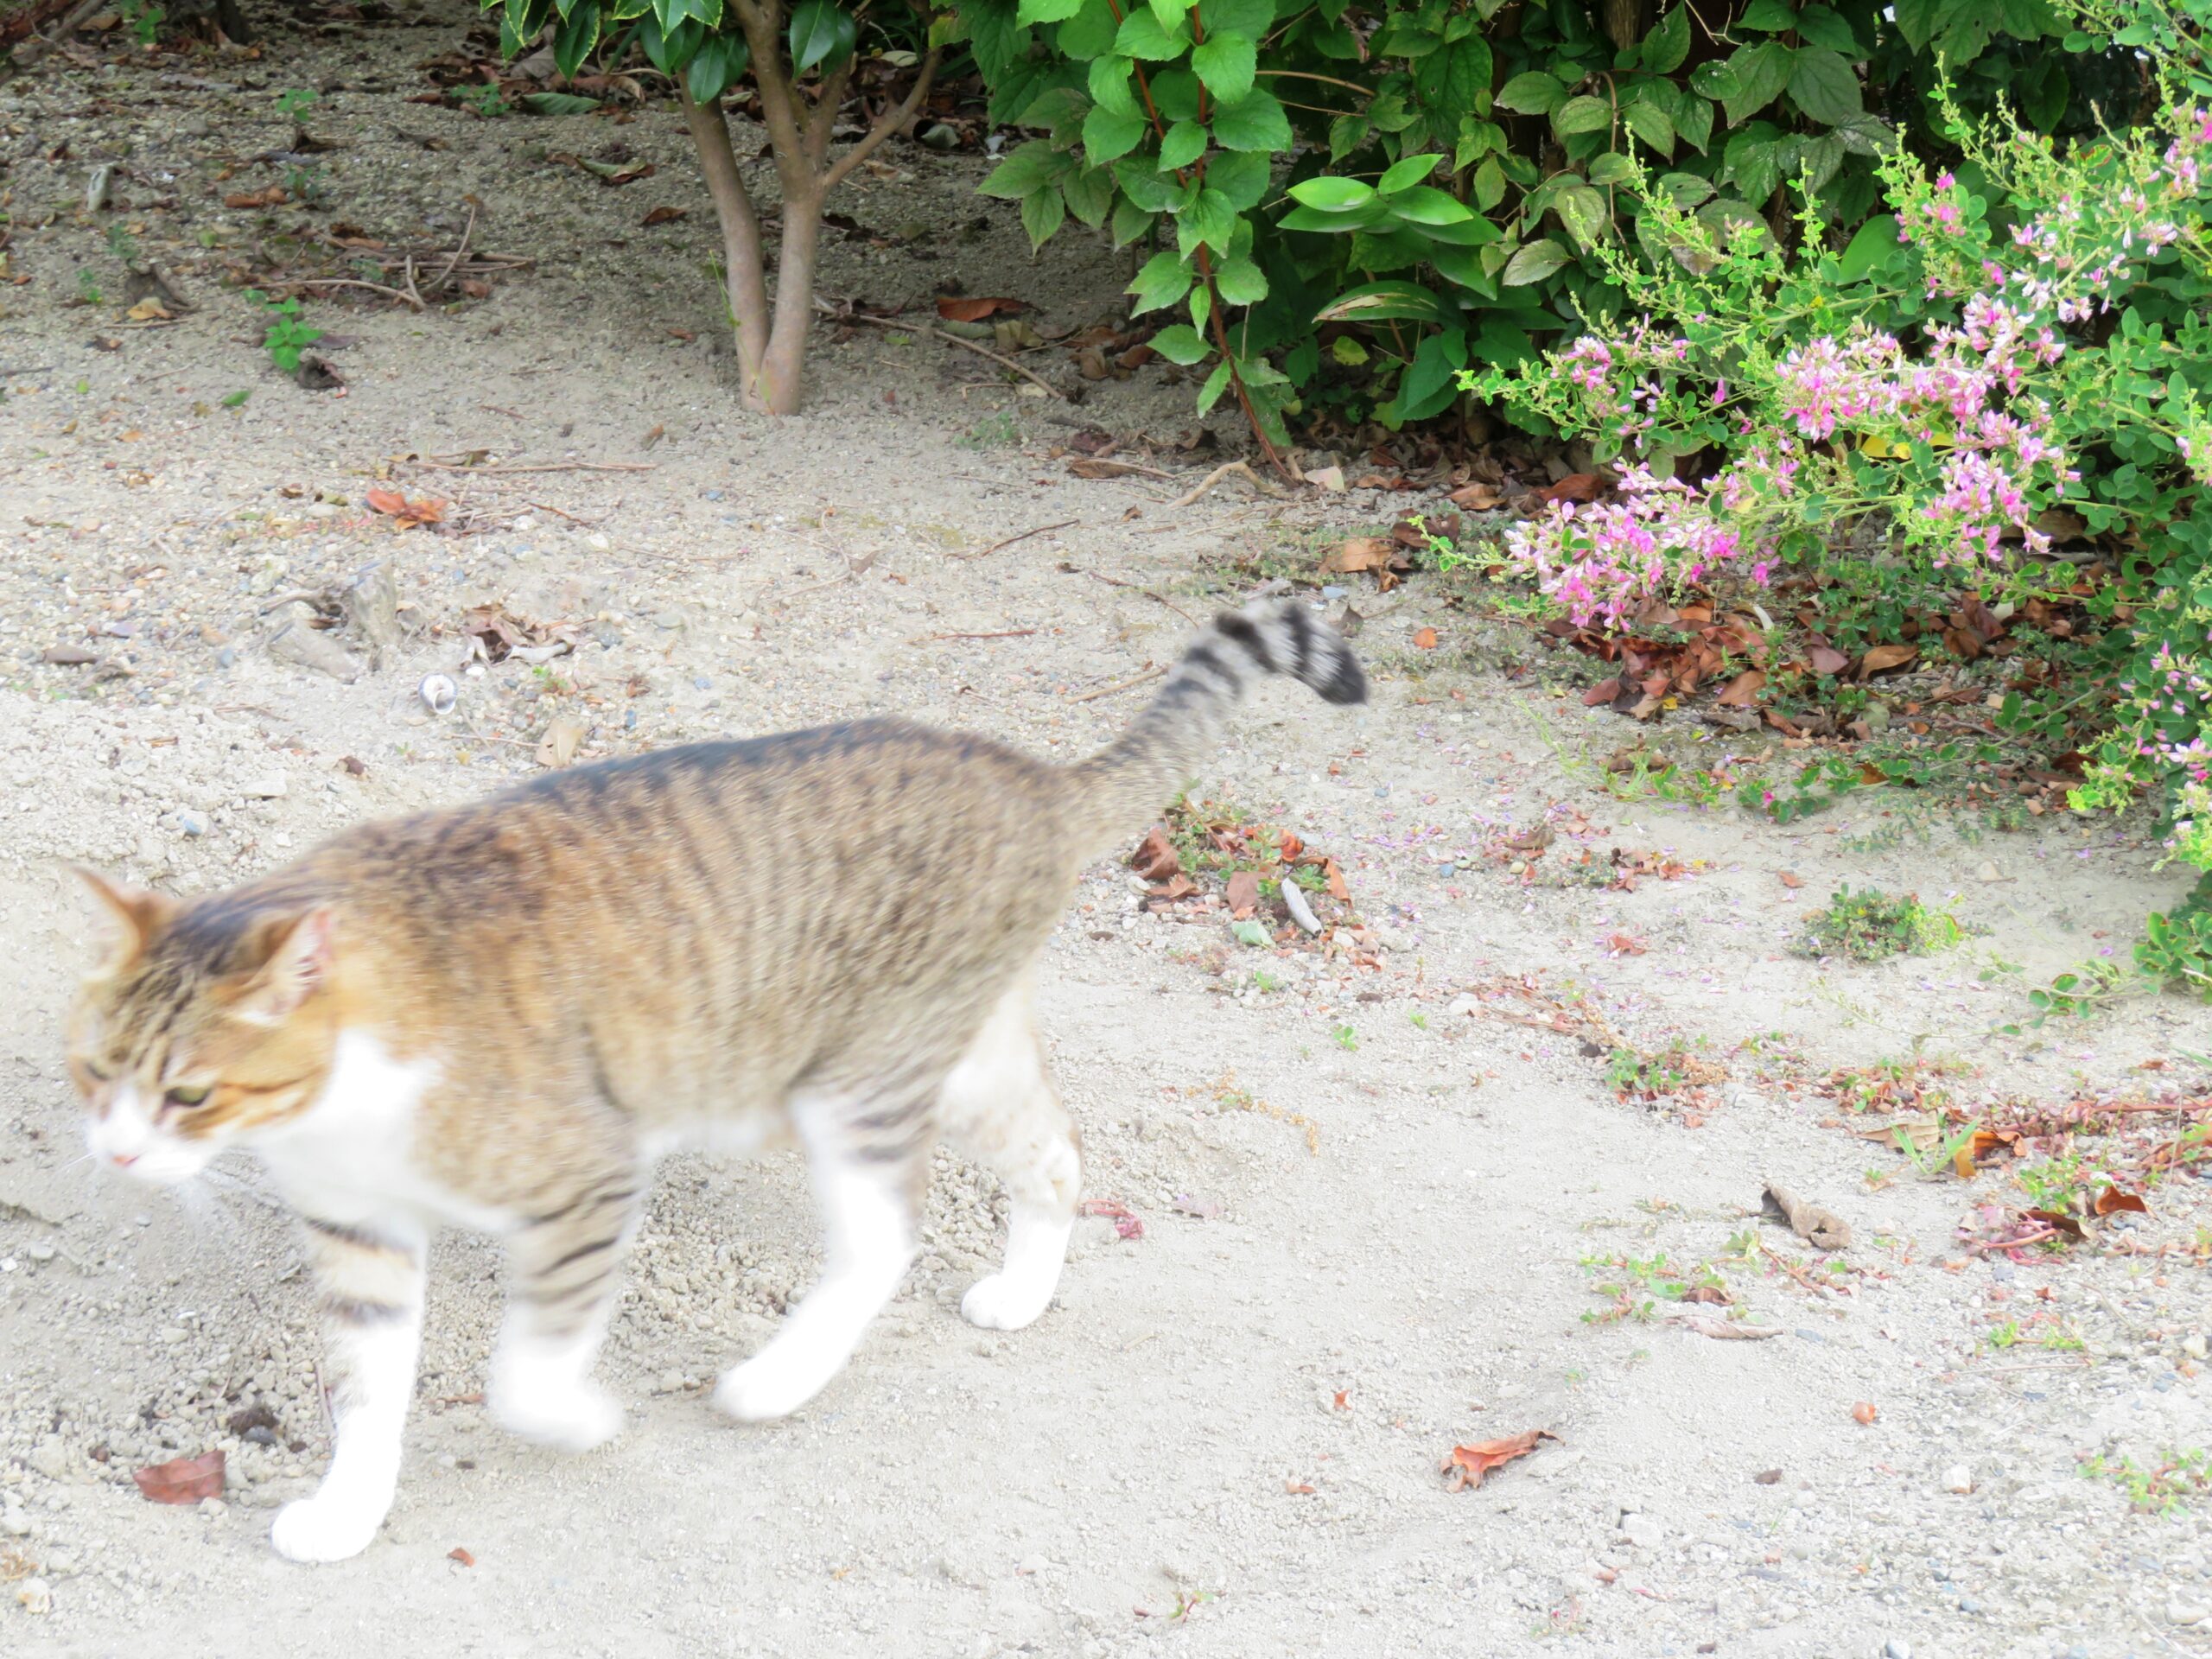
(867,1164)
(566,1269)
(1001,1109)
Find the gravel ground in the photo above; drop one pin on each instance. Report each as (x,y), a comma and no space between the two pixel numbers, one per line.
(1378,1184)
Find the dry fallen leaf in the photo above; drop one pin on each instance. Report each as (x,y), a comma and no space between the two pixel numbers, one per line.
(1335,878)
(1478,497)
(1625,944)
(561,740)
(2112,1200)
(1468,1463)
(1244,895)
(1790,878)
(1864,1413)
(957,311)
(183,1480)
(1881,657)
(665,215)
(1425,639)
(1741,689)
(1726,1330)
(403,512)
(1575,486)
(1827,659)
(1376,553)
(2064,1225)
(458,1554)
(1154,859)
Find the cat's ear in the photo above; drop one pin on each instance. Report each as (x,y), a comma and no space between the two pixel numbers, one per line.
(296,953)
(140,913)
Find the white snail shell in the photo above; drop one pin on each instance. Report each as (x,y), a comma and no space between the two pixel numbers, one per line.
(438,693)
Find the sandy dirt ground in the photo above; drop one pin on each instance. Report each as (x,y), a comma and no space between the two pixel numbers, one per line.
(1384,1185)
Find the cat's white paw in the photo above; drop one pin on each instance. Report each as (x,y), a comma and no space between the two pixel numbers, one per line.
(768,1386)
(1003,1303)
(568,1416)
(324,1529)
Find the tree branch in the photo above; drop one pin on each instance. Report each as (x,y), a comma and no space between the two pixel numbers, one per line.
(818,124)
(741,226)
(887,123)
(779,105)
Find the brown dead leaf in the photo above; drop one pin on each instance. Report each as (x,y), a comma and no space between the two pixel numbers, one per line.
(1604,692)
(1288,846)
(1424,638)
(1468,1463)
(1827,659)
(1478,497)
(2064,1225)
(1790,878)
(1726,1330)
(1244,895)
(1335,878)
(1881,659)
(1625,944)
(149,310)
(2112,1200)
(183,1480)
(561,740)
(1742,690)
(404,513)
(272,197)
(460,1554)
(666,214)
(976,310)
(354,764)
(1155,858)
(1575,486)
(1376,553)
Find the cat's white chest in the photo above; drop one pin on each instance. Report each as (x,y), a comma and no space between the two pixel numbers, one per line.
(350,1156)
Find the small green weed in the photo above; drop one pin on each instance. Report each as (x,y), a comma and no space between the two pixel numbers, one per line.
(2179,1479)
(88,288)
(285,335)
(485,102)
(294,100)
(1639,1284)
(993,432)
(144,19)
(1345,1038)
(1871,926)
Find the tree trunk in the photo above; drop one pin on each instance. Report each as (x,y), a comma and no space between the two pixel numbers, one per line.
(741,223)
(778,389)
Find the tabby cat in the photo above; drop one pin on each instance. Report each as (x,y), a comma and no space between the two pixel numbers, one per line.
(497,1015)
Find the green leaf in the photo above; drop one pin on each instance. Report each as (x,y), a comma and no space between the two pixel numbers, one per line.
(1761,72)
(1490,185)
(1919,21)
(1685,189)
(1176,93)
(1330,195)
(1366,218)
(1768,16)
(670,51)
(1170,13)
(1162,280)
(1583,114)
(1089,194)
(1107,134)
(236,398)
(1110,85)
(1243,176)
(1424,204)
(1432,380)
(1348,350)
(1130,222)
(1032,166)
(1666,45)
(1182,143)
(1694,122)
(1250,19)
(1714,80)
(1611,169)
(1532,262)
(1201,305)
(1045,12)
(1210,219)
(1256,122)
(1820,26)
(1180,344)
(1410,170)
(1384,302)
(1145,185)
(1226,60)
(1533,92)
(1042,212)
(822,32)
(1583,212)
(1209,394)
(1824,86)
(1456,80)
(996,40)
(1870,250)
(1650,123)
(1240,281)
(1141,36)
(716,66)
(575,37)
(558,104)
(1089,32)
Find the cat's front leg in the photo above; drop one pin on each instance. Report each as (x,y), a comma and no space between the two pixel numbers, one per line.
(371,1280)
(566,1265)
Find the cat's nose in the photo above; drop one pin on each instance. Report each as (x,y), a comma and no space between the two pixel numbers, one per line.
(123,1159)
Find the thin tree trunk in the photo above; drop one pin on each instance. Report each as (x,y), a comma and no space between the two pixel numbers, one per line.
(786,355)
(741,245)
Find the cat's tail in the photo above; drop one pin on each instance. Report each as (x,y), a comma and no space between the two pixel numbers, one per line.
(1118,789)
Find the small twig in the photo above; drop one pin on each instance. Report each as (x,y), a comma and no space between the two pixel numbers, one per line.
(1003,634)
(313,596)
(513,415)
(556,466)
(1790,1268)
(467,231)
(923,328)
(1011,540)
(2015,1243)
(816,587)
(1214,478)
(1151,673)
(414,300)
(558,512)
(31,368)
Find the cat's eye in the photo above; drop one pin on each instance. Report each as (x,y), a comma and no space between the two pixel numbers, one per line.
(93,1072)
(187,1096)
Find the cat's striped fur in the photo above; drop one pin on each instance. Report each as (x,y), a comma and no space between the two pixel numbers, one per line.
(496,1015)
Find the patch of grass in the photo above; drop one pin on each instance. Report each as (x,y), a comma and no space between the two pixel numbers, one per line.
(2180,1478)
(1869,925)
(993,432)
(1639,1284)
(1654,1074)
(285,333)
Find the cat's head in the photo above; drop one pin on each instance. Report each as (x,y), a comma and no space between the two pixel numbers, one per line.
(210,1021)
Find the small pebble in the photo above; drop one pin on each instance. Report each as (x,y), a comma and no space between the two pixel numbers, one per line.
(1958,1478)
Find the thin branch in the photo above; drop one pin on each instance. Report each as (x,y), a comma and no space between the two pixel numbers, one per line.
(1151,673)
(1011,540)
(831,311)
(467,231)
(890,121)
(404,298)
(824,118)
